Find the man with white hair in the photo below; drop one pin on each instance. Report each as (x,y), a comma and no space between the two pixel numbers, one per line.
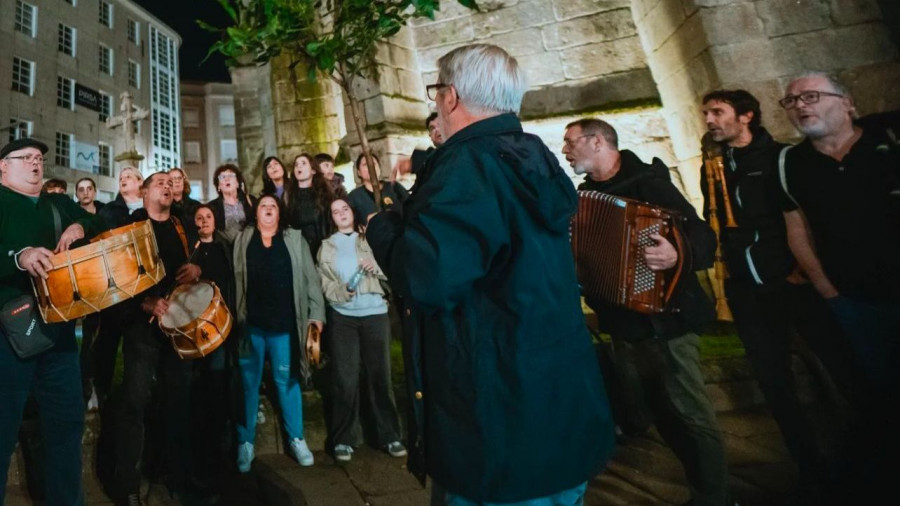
(841,201)
(507,401)
(842,210)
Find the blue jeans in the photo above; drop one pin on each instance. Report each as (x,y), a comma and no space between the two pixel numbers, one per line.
(54,378)
(570,497)
(278,347)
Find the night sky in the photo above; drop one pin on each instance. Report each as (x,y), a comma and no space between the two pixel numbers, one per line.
(195,42)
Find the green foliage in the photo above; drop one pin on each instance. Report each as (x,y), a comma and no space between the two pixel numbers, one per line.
(335,37)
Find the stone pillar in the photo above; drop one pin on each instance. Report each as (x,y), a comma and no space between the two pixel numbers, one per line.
(254,121)
(696,46)
(392,104)
(307,115)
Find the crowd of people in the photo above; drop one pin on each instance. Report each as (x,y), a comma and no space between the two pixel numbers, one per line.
(508,403)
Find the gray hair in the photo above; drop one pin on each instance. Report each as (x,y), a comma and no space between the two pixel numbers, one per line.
(833,81)
(487,78)
(596,126)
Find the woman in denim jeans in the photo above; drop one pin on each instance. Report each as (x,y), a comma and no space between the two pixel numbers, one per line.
(278,298)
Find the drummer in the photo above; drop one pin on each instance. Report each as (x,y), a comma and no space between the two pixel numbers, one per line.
(149,354)
(210,409)
(26,239)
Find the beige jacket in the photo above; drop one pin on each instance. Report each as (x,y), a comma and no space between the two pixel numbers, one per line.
(333,287)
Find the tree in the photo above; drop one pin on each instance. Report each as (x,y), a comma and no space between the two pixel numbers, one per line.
(336,38)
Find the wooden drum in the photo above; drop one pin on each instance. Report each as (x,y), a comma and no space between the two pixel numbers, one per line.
(198,321)
(116,266)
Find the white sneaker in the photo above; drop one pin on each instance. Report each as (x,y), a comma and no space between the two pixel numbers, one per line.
(261,414)
(343,453)
(245,457)
(301,452)
(93,403)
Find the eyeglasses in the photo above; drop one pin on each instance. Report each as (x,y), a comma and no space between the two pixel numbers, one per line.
(178,179)
(807,97)
(570,143)
(28,158)
(432,89)
(227,175)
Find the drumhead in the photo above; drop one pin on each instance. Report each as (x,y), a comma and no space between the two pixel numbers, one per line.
(187,304)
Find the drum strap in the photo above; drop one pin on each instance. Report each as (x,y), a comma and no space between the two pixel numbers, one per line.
(181,235)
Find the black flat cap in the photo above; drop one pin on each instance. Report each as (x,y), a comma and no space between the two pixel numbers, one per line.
(22,144)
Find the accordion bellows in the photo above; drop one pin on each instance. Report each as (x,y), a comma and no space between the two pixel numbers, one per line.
(609,235)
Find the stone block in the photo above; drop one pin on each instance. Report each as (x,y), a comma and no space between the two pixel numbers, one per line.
(524,14)
(400,110)
(447,11)
(873,87)
(688,42)
(411,84)
(566,9)
(841,48)
(640,8)
(603,58)
(589,94)
(518,43)
(542,69)
(746,61)
(428,57)
(732,23)
(600,27)
(660,23)
(445,32)
(782,18)
(364,89)
(851,12)
(690,82)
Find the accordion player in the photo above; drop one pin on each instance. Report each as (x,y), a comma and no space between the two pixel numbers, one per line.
(609,234)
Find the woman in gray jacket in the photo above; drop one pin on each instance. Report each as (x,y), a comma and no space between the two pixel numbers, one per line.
(278,298)
(358,336)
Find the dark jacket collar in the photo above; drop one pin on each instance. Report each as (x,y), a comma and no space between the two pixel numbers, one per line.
(502,123)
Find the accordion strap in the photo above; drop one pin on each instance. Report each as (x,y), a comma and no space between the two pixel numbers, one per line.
(679,265)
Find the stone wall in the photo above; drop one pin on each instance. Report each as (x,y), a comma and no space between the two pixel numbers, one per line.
(254,120)
(695,46)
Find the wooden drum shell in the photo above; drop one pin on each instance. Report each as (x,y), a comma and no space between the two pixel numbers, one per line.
(205,333)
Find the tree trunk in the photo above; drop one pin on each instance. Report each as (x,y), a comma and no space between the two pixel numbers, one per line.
(370,162)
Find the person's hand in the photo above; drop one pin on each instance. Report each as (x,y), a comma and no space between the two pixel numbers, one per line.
(662,256)
(157,306)
(368,265)
(72,233)
(316,323)
(188,273)
(36,261)
(401,168)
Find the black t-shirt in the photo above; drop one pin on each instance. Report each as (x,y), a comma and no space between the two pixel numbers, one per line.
(171,250)
(855,221)
(213,263)
(362,201)
(270,291)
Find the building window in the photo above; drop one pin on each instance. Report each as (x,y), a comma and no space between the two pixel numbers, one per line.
(106,60)
(23,76)
(228,150)
(19,129)
(66,40)
(26,18)
(190,117)
(162,85)
(134,32)
(106,14)
(134,74)
(226,115)
(106,106)
(105,162)
(63,149)
(192,152)
(65,90)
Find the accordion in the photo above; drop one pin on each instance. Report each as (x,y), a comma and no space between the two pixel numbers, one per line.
(609,235)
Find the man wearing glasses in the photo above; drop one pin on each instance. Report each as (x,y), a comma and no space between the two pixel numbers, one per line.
(507,399)
(27,241)
(840,194)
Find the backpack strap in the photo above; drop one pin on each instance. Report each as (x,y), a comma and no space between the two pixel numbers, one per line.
(782,175)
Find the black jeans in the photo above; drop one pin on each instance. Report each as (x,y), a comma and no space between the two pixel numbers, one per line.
(53,378)
(148,356)
(765,316)
(354,344)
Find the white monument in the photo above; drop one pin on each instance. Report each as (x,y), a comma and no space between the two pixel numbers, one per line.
(131,114)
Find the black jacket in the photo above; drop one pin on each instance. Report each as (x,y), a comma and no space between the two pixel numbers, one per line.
(505,388)
(115,214)
(757,250)
(689,307)
(218,207)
